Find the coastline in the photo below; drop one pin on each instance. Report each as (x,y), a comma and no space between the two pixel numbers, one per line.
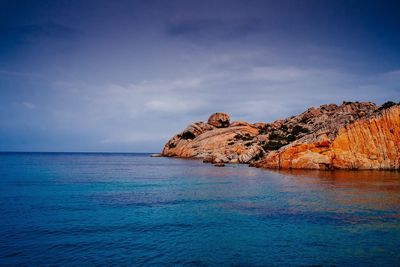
(353,136)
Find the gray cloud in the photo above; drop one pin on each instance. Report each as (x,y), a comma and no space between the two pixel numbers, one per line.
(207,29)
(31,32)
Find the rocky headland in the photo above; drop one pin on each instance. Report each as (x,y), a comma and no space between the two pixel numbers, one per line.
(353,135)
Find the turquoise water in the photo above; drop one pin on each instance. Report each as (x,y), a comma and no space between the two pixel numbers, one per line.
(130,209)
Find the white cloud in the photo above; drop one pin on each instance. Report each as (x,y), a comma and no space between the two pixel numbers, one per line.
(174,104)
(278,74)
(394,73)
(132,137)
(28,105)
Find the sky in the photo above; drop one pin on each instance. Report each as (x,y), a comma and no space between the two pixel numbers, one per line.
(124,76)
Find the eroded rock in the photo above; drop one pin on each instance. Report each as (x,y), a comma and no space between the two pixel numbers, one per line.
(369,143)
(353,135)
(214,145)
(219,120)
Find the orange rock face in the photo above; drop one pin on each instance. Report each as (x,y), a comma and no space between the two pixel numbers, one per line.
(370,143)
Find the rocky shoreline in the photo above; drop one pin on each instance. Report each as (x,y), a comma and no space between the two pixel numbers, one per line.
(353,135)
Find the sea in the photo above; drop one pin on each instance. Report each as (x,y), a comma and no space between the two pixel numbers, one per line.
(113,209)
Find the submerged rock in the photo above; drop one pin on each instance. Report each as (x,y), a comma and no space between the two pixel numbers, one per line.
(219,165)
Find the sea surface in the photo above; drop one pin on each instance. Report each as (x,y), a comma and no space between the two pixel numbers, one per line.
(85,209)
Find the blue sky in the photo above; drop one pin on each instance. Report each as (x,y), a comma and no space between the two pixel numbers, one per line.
(127,75)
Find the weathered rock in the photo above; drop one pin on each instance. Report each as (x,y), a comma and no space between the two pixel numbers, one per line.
(224,141)
(195,129)
(216,158)
(219,120)
(234,161)
(190,133)
(369,143)
(353,135)
(302,156)
(239,123)
(251,153)
(260,125)
(213,144)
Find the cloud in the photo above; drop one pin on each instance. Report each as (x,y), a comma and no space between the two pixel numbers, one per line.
(394,74)
(175,104)
(14,37)
(254,93)
(166,96)
(212,29)
(132,137)
(49,29)
(28,105)
(23,75)
(278,74)
(261,93)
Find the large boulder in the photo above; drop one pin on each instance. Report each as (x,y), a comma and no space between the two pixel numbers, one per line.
(216,141)
(219,120)
(229,142)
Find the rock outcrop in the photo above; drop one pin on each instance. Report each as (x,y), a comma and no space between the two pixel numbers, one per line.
(228,144)
(354,135)
(369,143)
(219,120)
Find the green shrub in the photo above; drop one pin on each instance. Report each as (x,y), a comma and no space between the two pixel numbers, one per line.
(290,138)
(188,135)
(172,145)
(245,137)
(264,130)
(275,135)
(273,145)
(298,130)
(387,105)
(284,128)
(259,156)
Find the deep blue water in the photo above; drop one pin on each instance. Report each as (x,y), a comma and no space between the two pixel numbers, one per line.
(130,209)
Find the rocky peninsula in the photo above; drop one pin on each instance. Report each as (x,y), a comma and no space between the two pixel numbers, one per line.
(353,135)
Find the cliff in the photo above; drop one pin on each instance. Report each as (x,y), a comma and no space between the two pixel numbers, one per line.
(353,135)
